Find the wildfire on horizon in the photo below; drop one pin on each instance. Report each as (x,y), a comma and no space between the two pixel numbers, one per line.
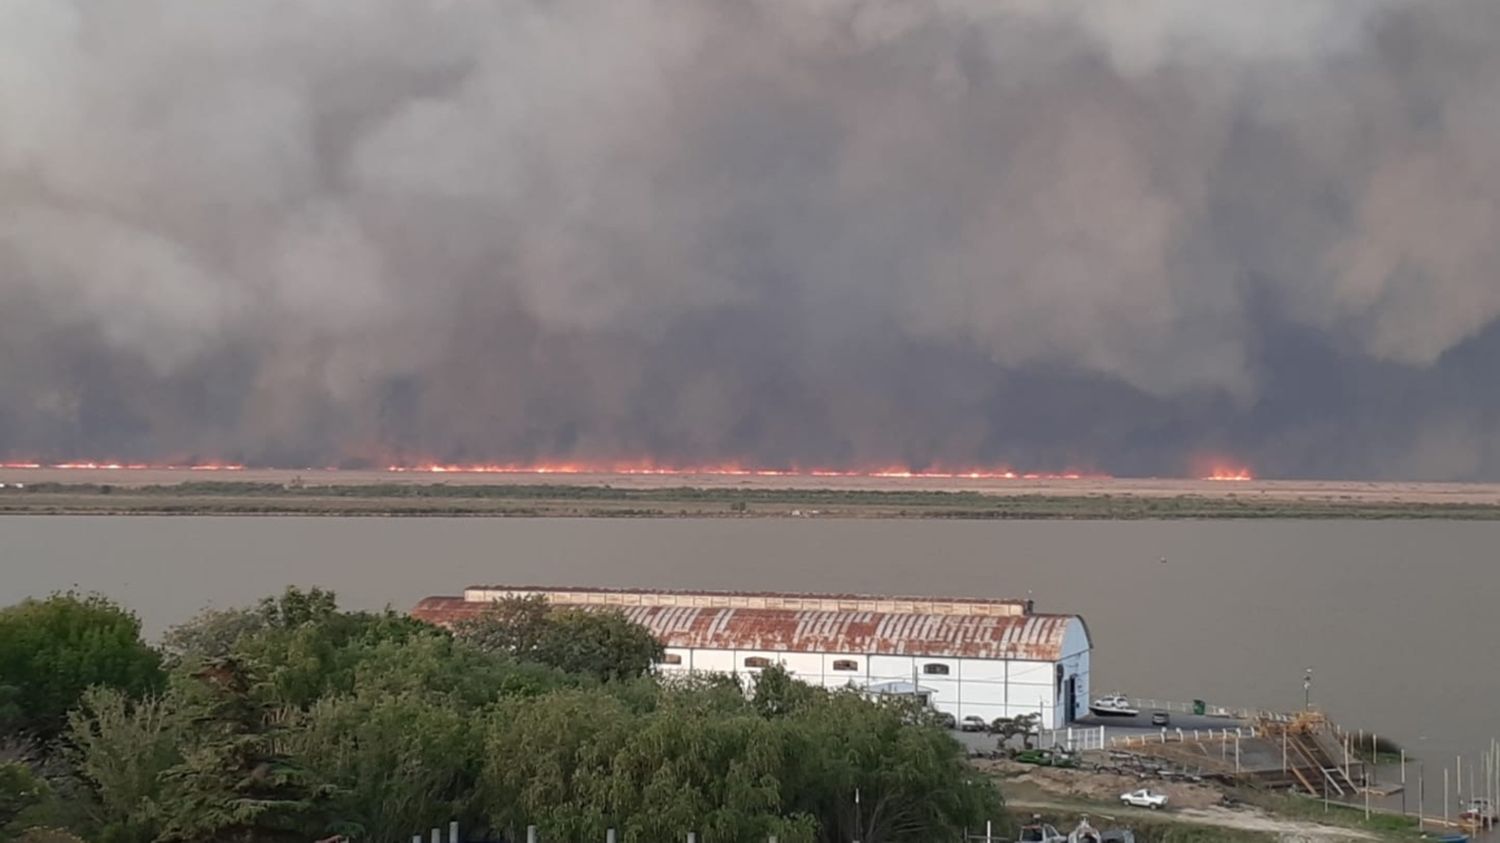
(1217,469)
(1230,474)
(735,471)
(584,468)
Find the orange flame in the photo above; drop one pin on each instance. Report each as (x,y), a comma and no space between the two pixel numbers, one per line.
(729,470)
(625,468)
(1224,470)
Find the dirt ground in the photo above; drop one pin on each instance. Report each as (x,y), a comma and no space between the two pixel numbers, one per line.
(1048,789)
(1288,831)
(1100,787)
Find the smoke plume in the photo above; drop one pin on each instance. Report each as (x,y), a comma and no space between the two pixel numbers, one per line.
(1112,235)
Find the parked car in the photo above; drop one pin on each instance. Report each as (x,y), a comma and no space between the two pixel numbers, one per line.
(1160,718)
(946,720)
(973,723)
(1144,798)
(1037,831)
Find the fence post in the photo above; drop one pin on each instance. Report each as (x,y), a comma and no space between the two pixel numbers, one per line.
(530,834)
(692,837)
(609,836)
(1164,734)
(453,831)
(437,835)
(1179,734)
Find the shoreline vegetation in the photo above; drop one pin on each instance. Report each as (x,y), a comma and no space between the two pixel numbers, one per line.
(293,719)
(603,500)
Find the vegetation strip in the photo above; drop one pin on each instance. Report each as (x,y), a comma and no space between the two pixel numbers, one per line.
(602,501)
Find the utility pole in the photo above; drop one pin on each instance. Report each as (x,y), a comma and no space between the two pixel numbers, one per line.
(1307,690)
(1403,781)
(1421,796)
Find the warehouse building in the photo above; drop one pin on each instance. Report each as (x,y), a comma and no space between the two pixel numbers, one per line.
(990,658)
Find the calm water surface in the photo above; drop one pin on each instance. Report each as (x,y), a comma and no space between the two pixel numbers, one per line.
(1397,619)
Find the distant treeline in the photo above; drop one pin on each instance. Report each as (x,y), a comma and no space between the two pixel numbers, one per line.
(528,499)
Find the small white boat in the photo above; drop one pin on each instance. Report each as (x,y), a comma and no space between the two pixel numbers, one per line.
(1113,705)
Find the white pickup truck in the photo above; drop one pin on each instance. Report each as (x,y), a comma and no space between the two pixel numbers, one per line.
(1144,798)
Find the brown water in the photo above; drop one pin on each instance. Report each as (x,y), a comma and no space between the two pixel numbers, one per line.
(1396,618)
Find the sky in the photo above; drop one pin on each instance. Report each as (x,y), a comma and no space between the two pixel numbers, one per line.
(1118,236)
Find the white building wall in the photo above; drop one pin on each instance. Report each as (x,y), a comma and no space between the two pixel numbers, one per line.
(987,688)
(1031,688)
(713,661)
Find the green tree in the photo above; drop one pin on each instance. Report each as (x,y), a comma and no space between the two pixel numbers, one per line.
(513,626)
(397,764)
(235,781)
(777,694)
(307,647)
(548,762)
(685,769)
(604,645)
(867,772)
(601,644)
(20,790)
(438,666)
(212,634)
(52,650)
(1023,726)
(120,748)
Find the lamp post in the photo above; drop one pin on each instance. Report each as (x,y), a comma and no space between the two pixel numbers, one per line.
(1307,690)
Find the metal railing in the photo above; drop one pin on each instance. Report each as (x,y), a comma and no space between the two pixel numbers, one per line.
(1073,738)
(1178,735)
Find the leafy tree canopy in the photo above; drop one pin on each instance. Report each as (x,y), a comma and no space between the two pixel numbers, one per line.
(294,720)
(52,650)
(604,645)
(302,644)
(20,789)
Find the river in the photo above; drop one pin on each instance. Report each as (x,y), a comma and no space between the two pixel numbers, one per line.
(1391,616)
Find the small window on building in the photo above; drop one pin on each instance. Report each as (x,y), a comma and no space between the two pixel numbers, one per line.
(935,669)
(671,658)
(757,661)
(845,664)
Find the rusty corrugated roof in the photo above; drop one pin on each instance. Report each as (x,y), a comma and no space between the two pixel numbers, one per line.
(916,605)
(1022,637)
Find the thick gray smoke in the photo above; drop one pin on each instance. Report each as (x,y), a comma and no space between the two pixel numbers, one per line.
(1104,234)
